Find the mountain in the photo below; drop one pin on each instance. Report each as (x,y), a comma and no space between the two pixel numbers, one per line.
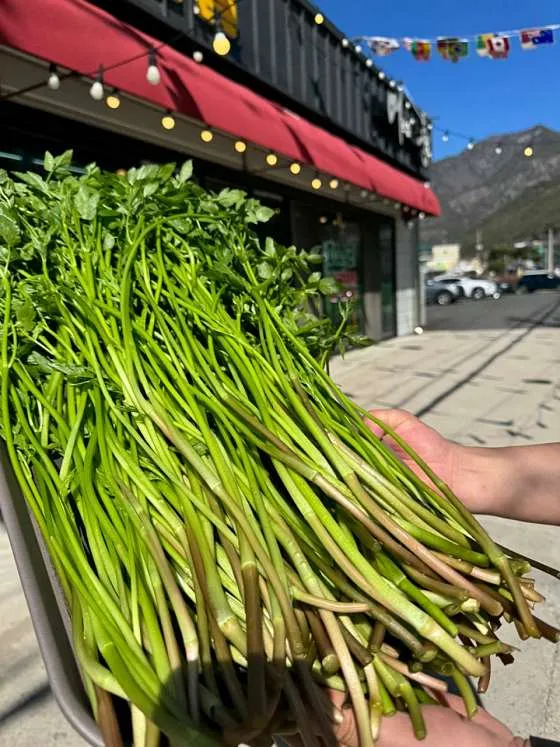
(505,195)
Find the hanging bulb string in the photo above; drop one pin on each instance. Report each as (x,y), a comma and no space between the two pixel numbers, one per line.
(93,74)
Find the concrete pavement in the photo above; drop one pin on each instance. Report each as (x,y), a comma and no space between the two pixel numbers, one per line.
(488,374)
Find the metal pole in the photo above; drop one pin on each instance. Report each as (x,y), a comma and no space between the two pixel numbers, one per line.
(550,258)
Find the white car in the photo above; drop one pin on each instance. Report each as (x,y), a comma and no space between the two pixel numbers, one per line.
(475,288)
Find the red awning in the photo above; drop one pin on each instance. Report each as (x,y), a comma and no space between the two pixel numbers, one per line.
(81,37)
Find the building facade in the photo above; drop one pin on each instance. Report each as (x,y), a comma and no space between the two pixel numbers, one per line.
(266,95)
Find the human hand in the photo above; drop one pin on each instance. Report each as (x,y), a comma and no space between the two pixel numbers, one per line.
(459,466)
(445,724)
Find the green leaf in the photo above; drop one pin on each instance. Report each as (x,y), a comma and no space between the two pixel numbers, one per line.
(264,271)
(150,188)
(33,180)
(231,197)
(25,314)
(185,172)
(9,228)
(314,259)
(314,278)
(49,162)
(286,274)
(108,242)
(270,248)
(86,201)
(328,286)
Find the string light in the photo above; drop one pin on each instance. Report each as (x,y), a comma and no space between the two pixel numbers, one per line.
(333,184)
(97,91)
(295,168)
(445,137)
(421,216)
(369,62)
(198,56)
(113,100)
(206,135)
(364,194)
(319,19)
(345,43)
(381,75)
(400,88)
(168,121)
(53,81)
(358,49)
(271,159)
(392,84)
(221,44)
(240,146)
(427,185)
(316,183)
(470,144)
(152,73)
(528,152)
(498,149)
(196,9)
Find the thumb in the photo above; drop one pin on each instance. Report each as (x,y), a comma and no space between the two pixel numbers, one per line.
(394,419)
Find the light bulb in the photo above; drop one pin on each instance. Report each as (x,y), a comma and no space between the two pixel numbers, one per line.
(369,62)
(528,152)
(168,121)
(397,205)
(198,56)
(357,49)
(113,100)
(271,159)
(381,75)
(196,9)
(323,219)
(152,75)
(430,127)
(97,91)
(470,144)
(295,168)
(364,194)
(221,44)
(400,88)
(319,18)
(421,216)
(407,104)
(392,84)
(316,183)
(345,43)
(427,185)
(240,146)
(333,184)
(207,136)
(498,149)
(53,81)
(445,137)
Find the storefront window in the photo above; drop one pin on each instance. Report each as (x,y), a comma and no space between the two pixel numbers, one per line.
(341,260)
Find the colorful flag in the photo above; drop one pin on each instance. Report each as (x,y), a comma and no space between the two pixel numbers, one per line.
(382,45)
(421,50)
(482,44)
(498,47)
(453,49)
(533,38)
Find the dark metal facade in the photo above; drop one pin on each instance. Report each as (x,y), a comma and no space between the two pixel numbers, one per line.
(286,55)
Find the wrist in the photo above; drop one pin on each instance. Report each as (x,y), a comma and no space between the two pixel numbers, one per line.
(487,479)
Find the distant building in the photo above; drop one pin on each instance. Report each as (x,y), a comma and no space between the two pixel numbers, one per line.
(445,257)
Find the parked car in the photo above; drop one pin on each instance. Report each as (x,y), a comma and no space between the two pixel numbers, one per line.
(475,288)
(441,294)
(538,280)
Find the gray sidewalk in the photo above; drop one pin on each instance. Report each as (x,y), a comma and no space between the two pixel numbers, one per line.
(494,385)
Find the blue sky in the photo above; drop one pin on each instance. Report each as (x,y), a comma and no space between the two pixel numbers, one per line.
(476,96)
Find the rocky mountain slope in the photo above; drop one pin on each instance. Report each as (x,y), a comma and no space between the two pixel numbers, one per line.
(505,195)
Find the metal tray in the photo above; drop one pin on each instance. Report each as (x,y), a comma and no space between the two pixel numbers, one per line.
(46,605)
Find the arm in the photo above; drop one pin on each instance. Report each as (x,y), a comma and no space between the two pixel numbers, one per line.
(517,482)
